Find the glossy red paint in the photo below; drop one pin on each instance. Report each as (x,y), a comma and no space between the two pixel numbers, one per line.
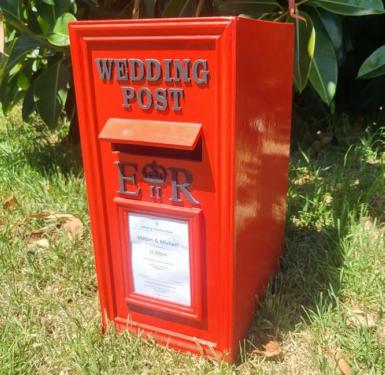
(236,150)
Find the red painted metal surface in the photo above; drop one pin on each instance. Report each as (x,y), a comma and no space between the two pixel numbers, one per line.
(175,135)
(237,157)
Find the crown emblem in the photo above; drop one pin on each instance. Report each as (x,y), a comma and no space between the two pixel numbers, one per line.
(154,173)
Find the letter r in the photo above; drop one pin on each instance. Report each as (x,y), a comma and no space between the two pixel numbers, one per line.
(178,187)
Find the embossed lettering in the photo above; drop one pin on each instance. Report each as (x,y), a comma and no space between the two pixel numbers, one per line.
(161,99)
(176,95)
(144,98)
(181,70)
(105,68)
(200,72)
(121,70)
(128,94)
(136,70)
(178,187)
(154,70)
(130,179)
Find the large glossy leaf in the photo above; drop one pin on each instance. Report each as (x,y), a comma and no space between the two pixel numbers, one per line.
(46,16)
(252,8)
(177,8)
(350,7)
(149,8)
(374,65)
(32,20)
(333,26)
(10,93)
(10,8)
(50,92)
(59,36)
(23,81)
(23,46)
(4,60)
(304,49)
(324,67)
(62,6)
(28,104)
(2,38)
(189,9)
(92,2)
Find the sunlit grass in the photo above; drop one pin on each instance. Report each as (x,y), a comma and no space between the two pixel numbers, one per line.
(333,269)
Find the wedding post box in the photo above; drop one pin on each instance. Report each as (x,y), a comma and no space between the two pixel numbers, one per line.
(185,127)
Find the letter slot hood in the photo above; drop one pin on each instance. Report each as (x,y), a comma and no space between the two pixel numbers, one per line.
(167,134)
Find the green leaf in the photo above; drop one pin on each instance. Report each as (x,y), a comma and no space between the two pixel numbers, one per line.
(149,8)
(50,92)
(252,8)
(59,36)
(32,21)
(22,81)
(10,8)
(177,8)
(374,65)
(94,3)
(49,2)
(189,9)
(333,26)
(23,46)
(45,15)
(2,38)
(4,60)
(63,6)
(324,66)
(10,93)
(28,104)
(304,50)
(350,7)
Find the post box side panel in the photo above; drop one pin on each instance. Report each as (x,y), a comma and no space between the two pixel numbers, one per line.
(101,99)
(264,95)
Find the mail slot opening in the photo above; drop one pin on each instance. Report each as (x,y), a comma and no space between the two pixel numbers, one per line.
(195,154)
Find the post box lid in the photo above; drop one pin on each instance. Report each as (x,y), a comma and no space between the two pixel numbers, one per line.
(174,135)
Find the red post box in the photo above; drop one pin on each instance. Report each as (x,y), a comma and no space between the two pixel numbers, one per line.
(185,127)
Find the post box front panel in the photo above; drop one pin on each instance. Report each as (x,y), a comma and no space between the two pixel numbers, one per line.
(146,188)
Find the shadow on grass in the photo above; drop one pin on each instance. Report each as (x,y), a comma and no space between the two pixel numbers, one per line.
(48,158)
(309,270)
(338,189)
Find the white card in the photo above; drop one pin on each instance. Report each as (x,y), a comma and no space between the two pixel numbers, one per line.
(160,257)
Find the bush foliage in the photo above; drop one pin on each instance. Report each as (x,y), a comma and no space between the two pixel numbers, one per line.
(35,67)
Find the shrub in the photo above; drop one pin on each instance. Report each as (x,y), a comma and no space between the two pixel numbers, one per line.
(36,68)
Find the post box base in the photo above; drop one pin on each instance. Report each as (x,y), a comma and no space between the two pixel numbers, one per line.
(176,341)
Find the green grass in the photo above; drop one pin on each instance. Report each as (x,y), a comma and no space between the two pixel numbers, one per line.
(334,265)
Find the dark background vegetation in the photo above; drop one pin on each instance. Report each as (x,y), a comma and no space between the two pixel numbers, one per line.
(340,35)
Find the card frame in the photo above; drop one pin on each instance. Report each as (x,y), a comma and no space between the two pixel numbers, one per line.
(193,217)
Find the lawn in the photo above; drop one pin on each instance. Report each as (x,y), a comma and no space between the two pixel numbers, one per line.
(325,309)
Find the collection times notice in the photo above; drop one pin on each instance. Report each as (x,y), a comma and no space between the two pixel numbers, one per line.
(160,258)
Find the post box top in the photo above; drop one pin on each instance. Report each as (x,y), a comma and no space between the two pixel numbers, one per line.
(212,21)
(225,19)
